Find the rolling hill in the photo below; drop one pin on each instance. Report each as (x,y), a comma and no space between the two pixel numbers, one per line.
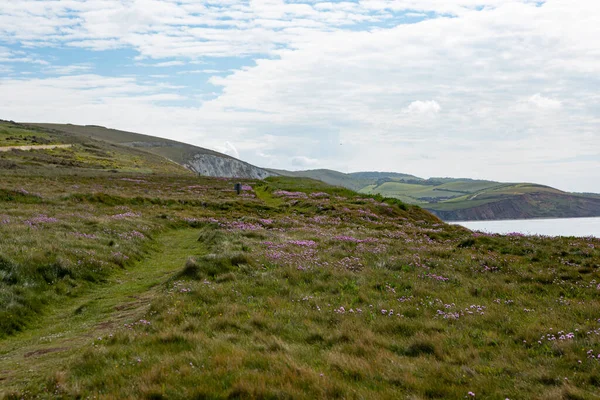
(77,149)
(329,176)
(455,199)
(196,159)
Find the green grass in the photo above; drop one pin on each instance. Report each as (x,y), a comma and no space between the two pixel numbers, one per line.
(15,135)
(330,177)
(417,194)
(122,275)
(85,155)
(470,186)
(65,328)
(172,150)
(279,293)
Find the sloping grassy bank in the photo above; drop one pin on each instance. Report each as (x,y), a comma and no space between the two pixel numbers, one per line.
(307,291)
(62,234)
(58,335)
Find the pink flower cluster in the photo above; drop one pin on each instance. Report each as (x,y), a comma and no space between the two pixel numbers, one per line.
(350,263)
(128,214)
(40,219)
(84,235)
(133,324)
(471,310)
(290,195)
(591,355)
(437,277)
(368,213)
(342,310)
(303,243)
(132,235)
(344,238)
(389,313)
(560,336)
(448,315)
(241,226)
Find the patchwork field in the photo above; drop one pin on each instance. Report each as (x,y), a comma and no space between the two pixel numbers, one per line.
(120,285)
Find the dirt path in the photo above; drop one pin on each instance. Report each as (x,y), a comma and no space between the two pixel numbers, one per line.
(38,147)
(63,331)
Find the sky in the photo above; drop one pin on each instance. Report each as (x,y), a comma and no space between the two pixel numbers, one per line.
(505,90)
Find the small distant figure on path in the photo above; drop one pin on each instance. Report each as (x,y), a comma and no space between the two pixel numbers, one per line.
(238,188)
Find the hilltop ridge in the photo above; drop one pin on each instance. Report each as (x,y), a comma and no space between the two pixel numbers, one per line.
(456,199)
(128,145)
(96,148)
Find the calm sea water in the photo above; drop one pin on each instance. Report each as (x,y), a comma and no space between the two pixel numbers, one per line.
(546,227)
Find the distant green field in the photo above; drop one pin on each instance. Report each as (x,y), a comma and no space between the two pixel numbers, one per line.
(328,176)
(494,194)
(468,186)
(466,199)
(460,190)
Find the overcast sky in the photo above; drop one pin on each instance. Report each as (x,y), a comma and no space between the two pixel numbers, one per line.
(499,89)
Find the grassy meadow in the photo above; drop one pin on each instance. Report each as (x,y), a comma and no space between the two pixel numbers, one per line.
(172,286)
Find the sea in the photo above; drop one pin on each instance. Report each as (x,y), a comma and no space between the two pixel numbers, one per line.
(582,227)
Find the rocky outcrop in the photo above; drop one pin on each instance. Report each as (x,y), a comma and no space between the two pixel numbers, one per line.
(211,165)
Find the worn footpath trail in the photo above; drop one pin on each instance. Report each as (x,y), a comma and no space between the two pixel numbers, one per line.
(36,147)
(66,328)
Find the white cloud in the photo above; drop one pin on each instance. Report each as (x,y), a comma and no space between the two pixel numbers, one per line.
(304,162)
(201,71)
(229,149)
(168,64)
(544,102)
(190,29)
(12,56)
(67,69)
(423,107)
(325,75)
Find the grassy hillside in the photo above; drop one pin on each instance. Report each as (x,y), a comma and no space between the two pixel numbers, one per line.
(96,147)
(172,286)
(12,134)
(371,175)
(84,154)
(466,199)
(176,151)
(328,176)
